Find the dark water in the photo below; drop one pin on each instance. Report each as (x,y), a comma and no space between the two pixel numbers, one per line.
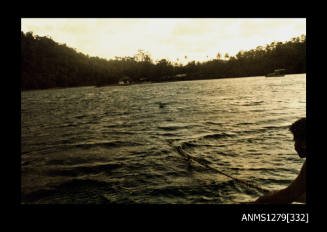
(117,144)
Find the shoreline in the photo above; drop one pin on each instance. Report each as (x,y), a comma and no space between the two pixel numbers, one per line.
(148,82)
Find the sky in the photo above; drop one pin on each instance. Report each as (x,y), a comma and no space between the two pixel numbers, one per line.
(176,39)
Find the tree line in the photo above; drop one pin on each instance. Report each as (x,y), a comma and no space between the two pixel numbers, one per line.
(48,64)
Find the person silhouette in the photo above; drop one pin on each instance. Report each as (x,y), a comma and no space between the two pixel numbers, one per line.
(296,191)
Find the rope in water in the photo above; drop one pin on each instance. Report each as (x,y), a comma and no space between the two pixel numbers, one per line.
(189,157)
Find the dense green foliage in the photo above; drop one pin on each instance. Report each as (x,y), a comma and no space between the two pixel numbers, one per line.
(47,64)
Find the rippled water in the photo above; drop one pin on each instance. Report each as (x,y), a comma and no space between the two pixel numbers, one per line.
(117,144)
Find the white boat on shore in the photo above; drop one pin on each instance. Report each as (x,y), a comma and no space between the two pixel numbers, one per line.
(276,73)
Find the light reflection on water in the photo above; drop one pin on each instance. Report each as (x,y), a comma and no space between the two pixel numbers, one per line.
(118,143)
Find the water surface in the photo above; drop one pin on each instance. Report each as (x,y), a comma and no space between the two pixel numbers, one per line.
(117,144)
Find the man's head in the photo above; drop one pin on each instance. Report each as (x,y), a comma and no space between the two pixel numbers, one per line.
(298,130)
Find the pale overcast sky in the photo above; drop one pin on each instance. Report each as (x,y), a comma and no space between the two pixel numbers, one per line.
(167,38)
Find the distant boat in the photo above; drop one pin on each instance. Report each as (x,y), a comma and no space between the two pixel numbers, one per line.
(276,73)
(125,81)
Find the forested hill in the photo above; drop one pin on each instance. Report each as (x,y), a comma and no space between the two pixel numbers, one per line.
(48,64)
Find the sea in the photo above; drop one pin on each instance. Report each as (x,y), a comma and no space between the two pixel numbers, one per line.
(119,144)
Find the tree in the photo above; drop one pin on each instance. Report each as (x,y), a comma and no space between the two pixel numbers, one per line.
(142,56)
(47,64)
